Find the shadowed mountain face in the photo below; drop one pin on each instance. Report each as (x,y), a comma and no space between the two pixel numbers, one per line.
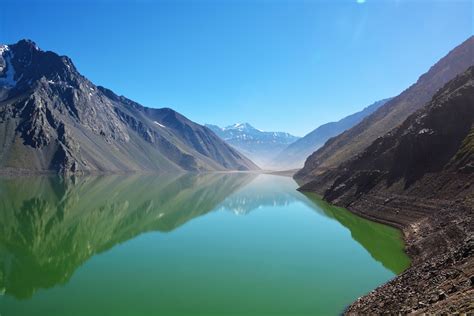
(355,140)
(54,119)
(52,226)
(430,155)
(294,156)
(261,147)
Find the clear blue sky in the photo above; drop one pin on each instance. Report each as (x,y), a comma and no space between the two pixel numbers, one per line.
(279,65)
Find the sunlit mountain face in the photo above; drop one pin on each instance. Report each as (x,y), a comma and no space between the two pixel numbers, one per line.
(53,119)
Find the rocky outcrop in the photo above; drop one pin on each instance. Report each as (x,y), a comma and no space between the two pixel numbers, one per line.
(52,119)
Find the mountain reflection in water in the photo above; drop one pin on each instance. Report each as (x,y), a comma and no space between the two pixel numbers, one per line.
(51,225)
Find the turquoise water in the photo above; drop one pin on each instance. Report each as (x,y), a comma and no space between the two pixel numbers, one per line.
(211,244)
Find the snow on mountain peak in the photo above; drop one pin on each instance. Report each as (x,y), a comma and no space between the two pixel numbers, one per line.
(239,126)
(7,78)
(259,146)
(3,48)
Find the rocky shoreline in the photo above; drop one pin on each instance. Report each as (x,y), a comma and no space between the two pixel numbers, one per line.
(441,277)
(439,238)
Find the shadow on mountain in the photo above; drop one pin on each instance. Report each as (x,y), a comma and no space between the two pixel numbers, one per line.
(382,242)
(51,226)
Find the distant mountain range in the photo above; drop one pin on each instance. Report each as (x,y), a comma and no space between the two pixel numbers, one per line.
(261,147)
(294,156)
(53,119)
(283,151)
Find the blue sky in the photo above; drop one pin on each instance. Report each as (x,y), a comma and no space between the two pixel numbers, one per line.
(279,65)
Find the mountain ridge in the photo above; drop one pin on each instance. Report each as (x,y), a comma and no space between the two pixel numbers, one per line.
(353,141)
(53,119)
(294,156)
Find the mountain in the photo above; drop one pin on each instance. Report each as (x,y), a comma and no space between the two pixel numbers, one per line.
(54,119)
(419,177)
(436,140)
(353,141)
(261,147)
(294,156)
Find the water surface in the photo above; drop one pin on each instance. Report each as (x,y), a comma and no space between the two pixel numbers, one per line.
(211,244)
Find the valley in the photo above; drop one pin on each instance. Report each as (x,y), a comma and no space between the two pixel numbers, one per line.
(98,189)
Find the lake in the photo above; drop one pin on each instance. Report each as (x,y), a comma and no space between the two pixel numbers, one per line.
(208,244)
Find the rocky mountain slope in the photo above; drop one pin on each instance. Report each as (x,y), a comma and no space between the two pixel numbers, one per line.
(419,178)
(294,156)
(353,141)
(53,119)
(261,147)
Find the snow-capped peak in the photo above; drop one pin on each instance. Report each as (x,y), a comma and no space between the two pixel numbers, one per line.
(3,48)
(239,126)
(6,77)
